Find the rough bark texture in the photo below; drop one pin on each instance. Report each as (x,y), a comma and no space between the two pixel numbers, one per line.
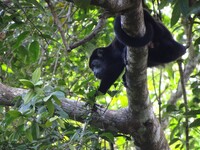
(8,93)
(109,120)
(113,5)
(138,119)
(146,130)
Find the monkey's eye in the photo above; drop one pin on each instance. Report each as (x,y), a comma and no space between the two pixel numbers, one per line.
(96,63)
(100,53)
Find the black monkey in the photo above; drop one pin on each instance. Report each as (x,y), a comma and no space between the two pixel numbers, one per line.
(107,63)
(162,48)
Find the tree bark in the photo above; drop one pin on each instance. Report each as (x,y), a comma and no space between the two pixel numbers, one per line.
(138,119)
(115,121)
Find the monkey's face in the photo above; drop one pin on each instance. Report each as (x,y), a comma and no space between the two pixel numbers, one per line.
(98,66)
(107,64)
(98,63)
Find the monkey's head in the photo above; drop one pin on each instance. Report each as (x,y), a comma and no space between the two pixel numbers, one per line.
(98,62)
(107,64)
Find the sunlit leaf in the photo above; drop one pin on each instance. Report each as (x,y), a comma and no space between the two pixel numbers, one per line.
(48,123)
(27,83)
(36,75)
(28,96)
(61,123)
(5,68)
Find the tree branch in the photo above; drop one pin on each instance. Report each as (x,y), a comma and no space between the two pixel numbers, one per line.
(58,24)
(113,5)
(7,94)
(110,120)
(97,29)
(190,66)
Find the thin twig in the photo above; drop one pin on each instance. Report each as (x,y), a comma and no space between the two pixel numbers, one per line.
(58,23)
(101,23)
(158,95)
(185,103)
(159,98)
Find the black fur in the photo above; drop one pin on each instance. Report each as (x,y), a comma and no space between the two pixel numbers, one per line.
(133,41)
(108,63)
(162,48)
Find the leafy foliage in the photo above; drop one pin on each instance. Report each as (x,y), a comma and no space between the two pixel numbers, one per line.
(33,56)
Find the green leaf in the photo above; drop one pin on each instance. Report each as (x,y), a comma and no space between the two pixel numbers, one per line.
(173,141)
(35,130)
(57,101)
(61,112)
(47,98)
(171,108)
(25,108)
(36,75)
(53,118)
(20,39)
(46,36)
(175,14)
(162,4)
(22,53)
(14,113)
(195,123)
(82,4)
(5,68)
(184,7)
(27,83)
(196,100)
(48,123)
(71,147)
(108,136)
(193,113)
(34,2)
(78,86)
(61,123)
(59,94)
(196,92)
(50,107)
(34,51)
(39,83)
(28,96)
(29,135)
(195,9)
(197,41)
